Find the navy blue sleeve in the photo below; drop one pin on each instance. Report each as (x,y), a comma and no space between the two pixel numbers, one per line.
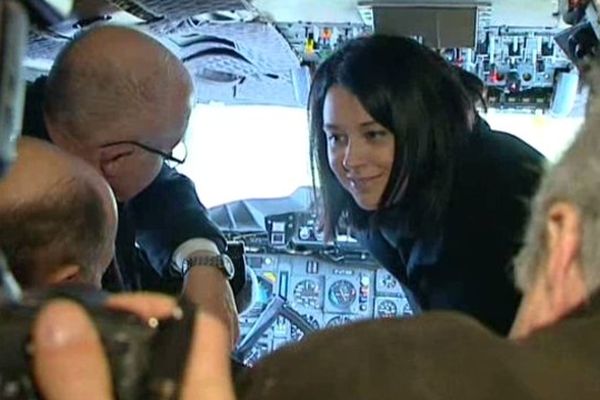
(34,124)
(168,213)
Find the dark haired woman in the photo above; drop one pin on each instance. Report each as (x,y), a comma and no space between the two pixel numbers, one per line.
(438,201)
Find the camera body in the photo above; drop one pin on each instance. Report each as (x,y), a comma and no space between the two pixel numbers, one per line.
(146,360)
(126,341)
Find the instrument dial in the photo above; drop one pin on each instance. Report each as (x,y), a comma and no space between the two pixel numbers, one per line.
(339,320)
(389,282)
(342,294)
(307,293)
(387,309)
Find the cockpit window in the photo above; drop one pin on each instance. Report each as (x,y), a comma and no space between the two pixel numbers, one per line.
(250,152)
(243,152)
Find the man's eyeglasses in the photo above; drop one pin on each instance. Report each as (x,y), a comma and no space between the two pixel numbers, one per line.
(176,156)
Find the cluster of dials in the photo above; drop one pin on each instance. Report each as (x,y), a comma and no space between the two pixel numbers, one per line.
(313,42)
(518,66)
(325,293)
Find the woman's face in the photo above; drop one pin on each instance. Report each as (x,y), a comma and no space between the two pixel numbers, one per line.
(360,150)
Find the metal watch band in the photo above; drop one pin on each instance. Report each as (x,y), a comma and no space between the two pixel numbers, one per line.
(221,262)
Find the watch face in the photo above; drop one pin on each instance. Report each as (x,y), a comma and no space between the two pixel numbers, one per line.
(228,265)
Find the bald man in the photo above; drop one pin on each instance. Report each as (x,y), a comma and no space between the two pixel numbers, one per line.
(58,218)
(121,101)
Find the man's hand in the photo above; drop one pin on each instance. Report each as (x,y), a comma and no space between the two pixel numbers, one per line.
(69,363)
(210,291)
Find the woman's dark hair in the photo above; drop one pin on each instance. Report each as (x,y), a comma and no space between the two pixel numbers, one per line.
(474,87)
(416,95)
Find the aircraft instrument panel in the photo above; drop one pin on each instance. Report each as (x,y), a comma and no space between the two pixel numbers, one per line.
(325,293)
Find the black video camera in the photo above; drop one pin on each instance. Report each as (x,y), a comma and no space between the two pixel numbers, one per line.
(147,359)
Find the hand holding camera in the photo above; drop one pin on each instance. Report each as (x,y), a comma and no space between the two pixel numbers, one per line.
(133,347)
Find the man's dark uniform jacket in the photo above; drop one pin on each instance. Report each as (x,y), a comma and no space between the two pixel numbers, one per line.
(151,225)
(468,267)
(438,355)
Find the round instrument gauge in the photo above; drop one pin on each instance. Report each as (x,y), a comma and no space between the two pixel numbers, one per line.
(389,282)
(342,294)
(304,233)
(387,309)
(339,320)
(307,294)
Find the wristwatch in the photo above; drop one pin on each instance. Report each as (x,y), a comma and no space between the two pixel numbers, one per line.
(219,261)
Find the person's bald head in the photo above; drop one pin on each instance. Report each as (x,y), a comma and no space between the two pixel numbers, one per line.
(114,84)
(58,217)
(108,77)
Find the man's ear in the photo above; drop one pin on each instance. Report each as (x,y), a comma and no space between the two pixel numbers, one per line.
(65,274)
(564,276)
(110,161)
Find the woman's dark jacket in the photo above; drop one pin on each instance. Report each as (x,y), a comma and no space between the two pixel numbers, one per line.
(468,267)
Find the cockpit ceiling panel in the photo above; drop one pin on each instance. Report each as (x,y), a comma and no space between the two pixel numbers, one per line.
(253,91)
(260,43)
(330,11)
(260,73)
(43,47)
(533,13)
(185,8)
(261,67)
(269,92)
(262,70)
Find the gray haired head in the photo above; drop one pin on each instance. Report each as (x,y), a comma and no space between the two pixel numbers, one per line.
(575,179)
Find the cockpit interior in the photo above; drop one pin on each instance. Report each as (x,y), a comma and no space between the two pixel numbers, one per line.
(252,61)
